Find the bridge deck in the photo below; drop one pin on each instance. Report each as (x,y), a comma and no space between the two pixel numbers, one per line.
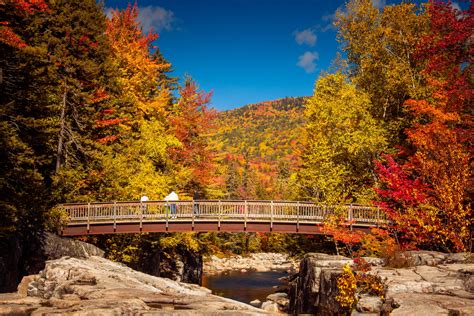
(201,216)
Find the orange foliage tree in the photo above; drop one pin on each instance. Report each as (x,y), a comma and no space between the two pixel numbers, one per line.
(191,121)
(428,195)
(140,96)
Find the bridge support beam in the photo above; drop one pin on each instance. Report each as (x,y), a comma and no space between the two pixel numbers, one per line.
(199,226)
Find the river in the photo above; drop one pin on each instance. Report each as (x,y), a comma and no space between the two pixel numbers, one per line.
(244,286)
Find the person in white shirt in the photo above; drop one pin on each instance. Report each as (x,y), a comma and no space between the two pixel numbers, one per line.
(143,200)
(172,206)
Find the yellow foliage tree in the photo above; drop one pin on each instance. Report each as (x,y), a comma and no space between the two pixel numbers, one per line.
(341,141)
(380,47)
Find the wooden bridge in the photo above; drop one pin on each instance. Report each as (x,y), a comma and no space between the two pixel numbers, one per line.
(205,216)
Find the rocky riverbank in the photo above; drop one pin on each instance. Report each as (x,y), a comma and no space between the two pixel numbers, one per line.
(429,283)
(277,303)
(97,286)
(433,284)
(19,258)
(260,262)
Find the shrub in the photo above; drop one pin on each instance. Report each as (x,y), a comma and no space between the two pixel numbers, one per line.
(361,265)
(379,243)
(370,284)
(346,289)
(350,285)
(56,219)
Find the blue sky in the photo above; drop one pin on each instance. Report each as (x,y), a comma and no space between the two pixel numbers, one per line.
(245,51)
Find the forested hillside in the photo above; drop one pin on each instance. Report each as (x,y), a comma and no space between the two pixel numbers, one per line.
(259,145)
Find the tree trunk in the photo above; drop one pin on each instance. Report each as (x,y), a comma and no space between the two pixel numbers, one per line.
(60,152)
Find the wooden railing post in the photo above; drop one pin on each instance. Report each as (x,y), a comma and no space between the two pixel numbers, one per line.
(88,216)
(378,216)
(246,210)
(115,215)
(271,215)
(298,216)
(219,216)
(141,215)
(167,215)
(350,216)
(193,205)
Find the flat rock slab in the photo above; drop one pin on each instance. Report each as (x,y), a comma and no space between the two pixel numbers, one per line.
(430,290)
(97,286)
(416,304)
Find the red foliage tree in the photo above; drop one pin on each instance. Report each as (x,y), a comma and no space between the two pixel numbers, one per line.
(428,195)
(18,8)
(123,28)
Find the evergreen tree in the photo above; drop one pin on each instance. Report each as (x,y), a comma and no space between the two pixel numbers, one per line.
(164,79)
(48,108)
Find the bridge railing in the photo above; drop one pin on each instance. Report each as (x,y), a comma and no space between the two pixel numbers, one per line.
(221,210)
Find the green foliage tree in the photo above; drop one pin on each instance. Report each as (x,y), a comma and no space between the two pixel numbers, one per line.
(49,106)
(341,141)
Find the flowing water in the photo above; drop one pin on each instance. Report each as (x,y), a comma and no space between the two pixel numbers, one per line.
(244,286)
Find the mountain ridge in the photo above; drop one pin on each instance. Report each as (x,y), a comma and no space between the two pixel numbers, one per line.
(260,142)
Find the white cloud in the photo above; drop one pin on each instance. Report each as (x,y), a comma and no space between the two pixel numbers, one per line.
(108,12)
(154,17)
(456,6)
(305,37)
(458,11)
(379,4)
(157,18)
(307,61)
(331,18)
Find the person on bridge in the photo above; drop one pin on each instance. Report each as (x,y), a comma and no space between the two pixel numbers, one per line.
(170,198)
(143,201)
(196,196)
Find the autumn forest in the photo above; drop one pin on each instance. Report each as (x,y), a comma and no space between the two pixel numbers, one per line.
(91,110)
